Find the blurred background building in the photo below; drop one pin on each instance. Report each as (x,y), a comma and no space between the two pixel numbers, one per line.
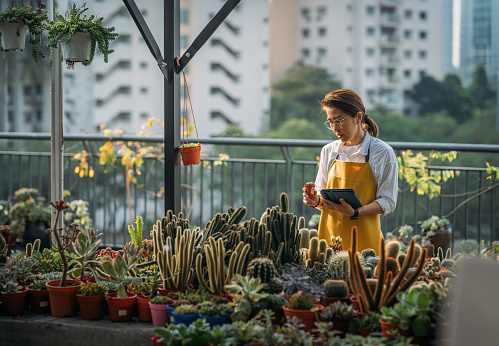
(380,48)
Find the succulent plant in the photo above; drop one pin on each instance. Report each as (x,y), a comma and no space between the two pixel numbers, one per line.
(161,300)
(392,249)
(94,289)
(187,309)
(338,311)
(301,301)
(335,289)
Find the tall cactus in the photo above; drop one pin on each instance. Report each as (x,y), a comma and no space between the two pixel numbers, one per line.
(136,236)
(218,275)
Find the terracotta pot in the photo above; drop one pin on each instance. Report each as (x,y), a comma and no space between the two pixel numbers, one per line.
(120,310)
(307,317)
(91,307)
(385,327)
(191,155)
(328,301)
(13,303)
(355,303)
(63,300)
(10,41)
(143,309)
(39,301)
(364,332)
(155,342)
(159,313)
(310,189)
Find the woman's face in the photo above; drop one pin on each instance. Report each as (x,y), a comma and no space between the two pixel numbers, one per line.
(344,126)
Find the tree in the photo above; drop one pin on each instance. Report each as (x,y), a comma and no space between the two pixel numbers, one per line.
(299,93)
(480,90)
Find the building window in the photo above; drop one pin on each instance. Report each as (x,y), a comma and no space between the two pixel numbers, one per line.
(370,51)
(184,42)
(305,13)
(305,33)
(370,31)
(422,54)
(143,90)
(322,32)
(407,34)
(369,72)
(349,28)
(305,53)
(422,73)
(422,35)
(407,54)
(321,12)
(407,14)
(322,52)
(407,73)
(349,8)
(184,17)
(143,65)
(422,15)
(370,10)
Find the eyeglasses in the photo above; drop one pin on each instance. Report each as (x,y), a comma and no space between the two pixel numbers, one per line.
(336,123)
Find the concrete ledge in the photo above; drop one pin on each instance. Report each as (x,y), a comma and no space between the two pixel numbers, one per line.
(33,329)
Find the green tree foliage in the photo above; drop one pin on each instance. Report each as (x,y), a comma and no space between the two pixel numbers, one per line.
(299,93)
(480,90)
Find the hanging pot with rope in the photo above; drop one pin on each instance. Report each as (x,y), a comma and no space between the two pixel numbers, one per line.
(190,152)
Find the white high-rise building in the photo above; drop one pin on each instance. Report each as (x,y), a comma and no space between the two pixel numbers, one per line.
(380,48)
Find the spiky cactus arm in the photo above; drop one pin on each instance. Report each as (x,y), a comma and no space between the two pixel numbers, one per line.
(381,275)
(140,225)
(284,200)
(131,231)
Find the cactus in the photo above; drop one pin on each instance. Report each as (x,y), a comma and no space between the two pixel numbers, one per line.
(322,258)
(136,236)
(431,250)
(218,275)
(322,245)
(367,253)
(417,255)
(401,258)
(447,263)
(440,254)
(385,294)
(313,250)
(329,253)
(372,284)
(314,233)
(301,223)
(392,266)
(392,249)
(284,199)
(373,261)
(335,288)
(274,286)
(29,249)
(262,268)
(305,238)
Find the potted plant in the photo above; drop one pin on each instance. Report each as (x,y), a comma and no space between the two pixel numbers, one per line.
(146,289)
(14,24)
(30,217)
(62,292)
(340,313)
(246,294)
(302,306)
(191,153)
(80,36)
(121,302)
(39,296)
(159,312)
(214,314)
(335,290)
(274,303)
(197,333)
(368,323)
(84,251)
(91,299)
(13,295)
(438,232)
(185,314)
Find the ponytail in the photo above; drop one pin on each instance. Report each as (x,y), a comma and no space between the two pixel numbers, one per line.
(370,126)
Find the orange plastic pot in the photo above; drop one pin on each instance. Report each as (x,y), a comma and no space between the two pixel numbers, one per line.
(39,301)
(143,309)
(190,155)
(385,327)
(120,310)
(63,299)
(91,307)
(307,317)
(13,302)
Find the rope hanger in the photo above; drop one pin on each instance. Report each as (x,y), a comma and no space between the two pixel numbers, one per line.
(185,129)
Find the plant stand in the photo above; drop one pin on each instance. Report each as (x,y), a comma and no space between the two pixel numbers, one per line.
(10,41)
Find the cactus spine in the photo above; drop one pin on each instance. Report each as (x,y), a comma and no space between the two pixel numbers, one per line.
(335,288)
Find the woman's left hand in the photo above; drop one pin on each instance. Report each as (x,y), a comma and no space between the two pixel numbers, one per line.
(343,208)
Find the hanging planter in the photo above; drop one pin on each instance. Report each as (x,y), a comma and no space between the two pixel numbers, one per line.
(13,36)
(14,25)
(77,49)
(190,152)
(81,35)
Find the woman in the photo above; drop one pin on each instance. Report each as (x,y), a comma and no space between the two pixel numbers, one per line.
(358,160)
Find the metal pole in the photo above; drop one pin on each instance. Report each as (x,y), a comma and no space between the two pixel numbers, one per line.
(57,140)
(172,107)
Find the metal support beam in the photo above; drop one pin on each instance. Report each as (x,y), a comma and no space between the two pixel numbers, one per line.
(172,107)
(205,35)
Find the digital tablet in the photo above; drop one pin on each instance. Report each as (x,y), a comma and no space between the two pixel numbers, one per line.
(348,195)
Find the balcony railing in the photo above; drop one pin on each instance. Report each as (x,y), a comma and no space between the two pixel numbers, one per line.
(255,182)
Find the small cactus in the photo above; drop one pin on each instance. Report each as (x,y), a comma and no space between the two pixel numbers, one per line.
(301,301)
(313,250)
(367,253)
(401,259)
(335,288)
(305,238)
(392,249)
(417,254)
(262,268)
(447,263)
(314,233)
(274,286)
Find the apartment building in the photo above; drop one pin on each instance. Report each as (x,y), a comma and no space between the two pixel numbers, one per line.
(379,48)
(479,44)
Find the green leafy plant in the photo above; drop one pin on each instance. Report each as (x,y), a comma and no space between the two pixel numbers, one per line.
(117,270)
(247,293)
(28,207)
(338,311)
(186,309)
(211,309)
(430,227)
(76,21)
(189,145)
(369,321)
(161,300)
(78,213)
(301,301)
(34,20)
(272,302)
(85,249)
(94,289)
(197,333)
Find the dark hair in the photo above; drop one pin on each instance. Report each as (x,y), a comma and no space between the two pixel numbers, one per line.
(350,102)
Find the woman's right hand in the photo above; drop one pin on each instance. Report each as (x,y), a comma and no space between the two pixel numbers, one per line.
(310,200)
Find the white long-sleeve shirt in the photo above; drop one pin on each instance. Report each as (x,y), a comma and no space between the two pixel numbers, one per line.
(383,163)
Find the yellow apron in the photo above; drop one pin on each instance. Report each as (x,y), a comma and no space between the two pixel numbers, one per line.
(358,176)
